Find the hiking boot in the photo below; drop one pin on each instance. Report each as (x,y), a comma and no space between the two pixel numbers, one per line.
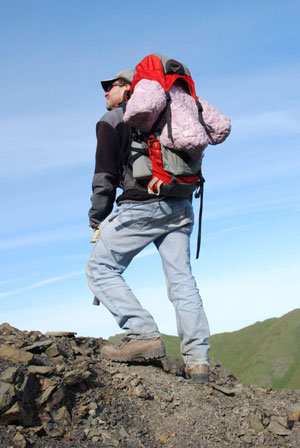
(199,373)
(132,349)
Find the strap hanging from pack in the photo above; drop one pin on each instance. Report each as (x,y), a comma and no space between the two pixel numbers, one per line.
(198,194)
(96,301)
(201,119)
(168,114)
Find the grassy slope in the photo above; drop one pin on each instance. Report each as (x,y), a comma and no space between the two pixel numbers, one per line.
(265,353)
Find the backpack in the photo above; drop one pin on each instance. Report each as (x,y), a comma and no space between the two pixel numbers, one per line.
(170,129)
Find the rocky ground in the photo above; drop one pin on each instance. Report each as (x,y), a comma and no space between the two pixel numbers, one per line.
(57,391)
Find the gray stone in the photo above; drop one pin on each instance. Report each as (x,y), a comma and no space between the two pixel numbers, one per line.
(12,415)
(76,376)
(134,382)
(82,410)
(224,390)
(35,335)
(52,351)
(7,396)
(92,413)
(41,370)
(140,391)
(247,438)
(13,354)
(95,432)
(38,347)
(47,382)
(93,405)
(63,416)
(20,441)
(60,334)
(281,420)
(59,368)
(58,360)
(108,439)
(256,424)
(294,407)
(164,396)
(123,433)
(9,375)
(278,429)
(55,398)
(7,329)
(46,394)
(80,351)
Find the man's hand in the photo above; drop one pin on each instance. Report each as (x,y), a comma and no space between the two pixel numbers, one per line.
(96,234)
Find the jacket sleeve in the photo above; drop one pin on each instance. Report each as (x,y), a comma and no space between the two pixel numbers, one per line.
(106,176)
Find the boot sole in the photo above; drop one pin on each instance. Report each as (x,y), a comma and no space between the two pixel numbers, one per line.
(138,357)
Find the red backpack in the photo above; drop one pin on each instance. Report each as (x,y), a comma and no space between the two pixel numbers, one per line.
(161,166)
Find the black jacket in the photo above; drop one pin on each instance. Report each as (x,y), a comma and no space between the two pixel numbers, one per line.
(112,169)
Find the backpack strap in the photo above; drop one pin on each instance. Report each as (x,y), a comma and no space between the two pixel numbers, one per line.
(126,97)
(206,126)
(199,194)
(140,151)
(168,114)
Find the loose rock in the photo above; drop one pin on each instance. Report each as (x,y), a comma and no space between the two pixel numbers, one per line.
(20,441)
(76,399)
(14,354)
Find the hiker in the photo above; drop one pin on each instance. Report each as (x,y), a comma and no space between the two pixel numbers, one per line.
(139,219)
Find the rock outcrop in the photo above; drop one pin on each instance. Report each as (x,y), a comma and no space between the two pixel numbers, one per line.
(57,391)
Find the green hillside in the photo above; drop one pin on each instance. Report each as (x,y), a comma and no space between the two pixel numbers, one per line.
(265,353)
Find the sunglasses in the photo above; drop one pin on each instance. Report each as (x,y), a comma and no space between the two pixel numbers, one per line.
(113,84)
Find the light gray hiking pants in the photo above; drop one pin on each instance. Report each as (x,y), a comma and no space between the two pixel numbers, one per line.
(123,234)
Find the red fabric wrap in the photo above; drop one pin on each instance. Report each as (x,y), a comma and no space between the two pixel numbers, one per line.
(152,68)
(157,162)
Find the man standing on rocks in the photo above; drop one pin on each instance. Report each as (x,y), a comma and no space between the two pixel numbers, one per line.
(119,235)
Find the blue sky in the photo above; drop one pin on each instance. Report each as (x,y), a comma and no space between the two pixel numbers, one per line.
(244,58)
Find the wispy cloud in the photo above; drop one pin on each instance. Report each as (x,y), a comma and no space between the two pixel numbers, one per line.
(241,206)
(41,283)
(269,89)
(272,123)
(230,229)
(45,142)
(13,280)
(267,170)
(68,233)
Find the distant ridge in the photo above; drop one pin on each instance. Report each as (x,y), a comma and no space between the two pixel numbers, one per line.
(266,353)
